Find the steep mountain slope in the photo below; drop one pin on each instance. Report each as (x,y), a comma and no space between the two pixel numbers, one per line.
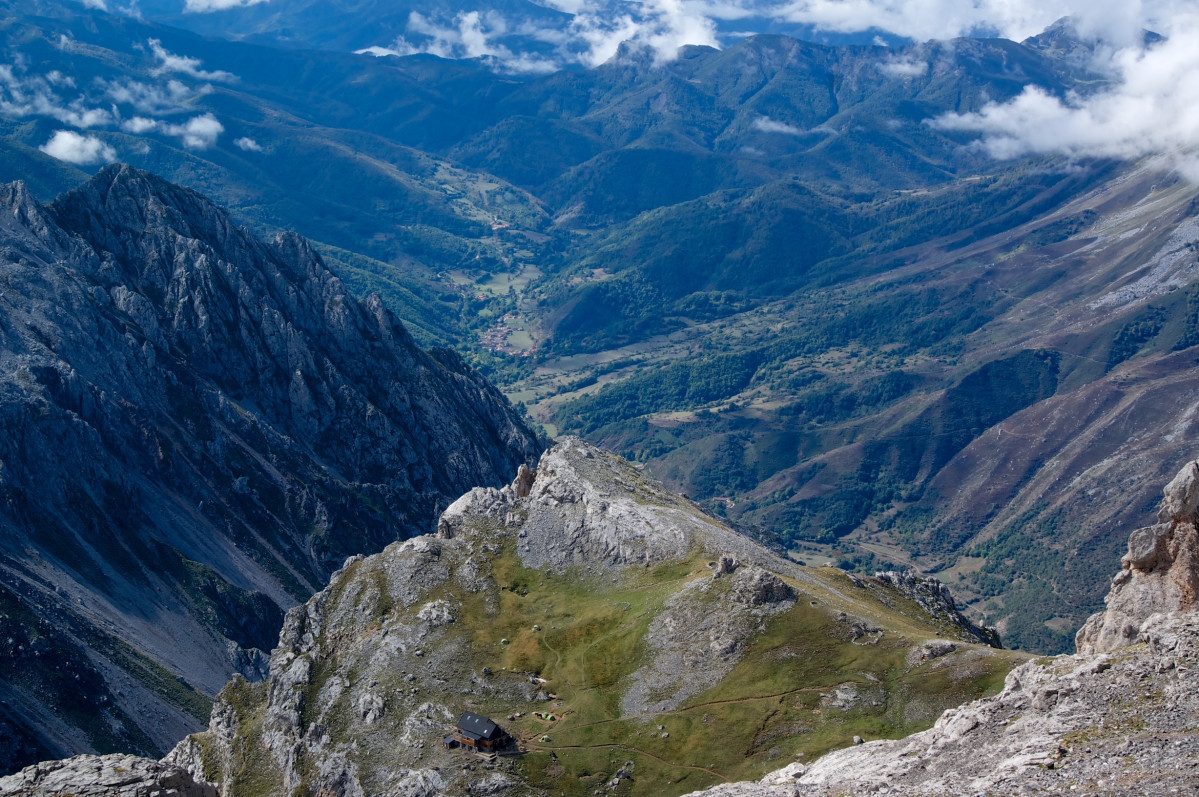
(1118,718)
(198,427)
(943,410)
(631,643)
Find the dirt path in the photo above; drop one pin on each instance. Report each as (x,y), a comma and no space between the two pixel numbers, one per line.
(632,750)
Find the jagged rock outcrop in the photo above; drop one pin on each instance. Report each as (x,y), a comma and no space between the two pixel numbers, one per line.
(935,598)
(1117,718)
(582,595)
(112,775)
(1159,574)
(196,428)
(585,508)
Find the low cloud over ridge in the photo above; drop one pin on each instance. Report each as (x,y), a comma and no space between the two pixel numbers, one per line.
(1149,111)
(1152,110)
(81,150)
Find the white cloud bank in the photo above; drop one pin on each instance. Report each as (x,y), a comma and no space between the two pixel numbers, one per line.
(197,133)
(1151,111)
(594,35)
(247,144)
(1117,21)
(472,34)
(72,147)
(768,125)
(158,106)
(169,62)
(208,6)
(37,95)
(597,28)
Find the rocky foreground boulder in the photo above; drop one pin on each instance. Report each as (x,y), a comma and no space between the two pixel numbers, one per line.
(113,775)
(1117,718)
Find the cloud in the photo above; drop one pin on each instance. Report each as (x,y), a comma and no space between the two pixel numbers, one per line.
(197,133)
(97,5)
(208,6)
(247,144)
(1148,109)
(69,146)
(200,132)
(904,68)
(153,99)
(661,25)
(593,35)
(1114,20)
(169,62)
(597,28)
(35,95)
(472,34)
(1152,110)
(139,124)
(768,125)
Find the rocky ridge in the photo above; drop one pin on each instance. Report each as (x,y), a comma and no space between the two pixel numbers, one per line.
(196,428)
(581,578)
(1117,718)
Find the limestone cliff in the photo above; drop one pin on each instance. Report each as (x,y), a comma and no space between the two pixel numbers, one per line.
(1159,574)
(196,428)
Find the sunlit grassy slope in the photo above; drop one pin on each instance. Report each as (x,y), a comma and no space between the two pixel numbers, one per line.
(844,658)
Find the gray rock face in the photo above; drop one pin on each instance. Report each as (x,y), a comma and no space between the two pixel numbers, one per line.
(585,508)
(104,776)
(934,597)
(1159,574)
(694,647)
(196,428)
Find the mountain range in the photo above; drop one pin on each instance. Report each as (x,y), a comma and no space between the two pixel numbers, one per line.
(779,275)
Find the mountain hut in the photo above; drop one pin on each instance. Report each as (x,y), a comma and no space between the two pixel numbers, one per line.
(478,732)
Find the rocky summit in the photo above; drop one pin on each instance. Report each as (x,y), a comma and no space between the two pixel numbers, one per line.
(196,428)
(1117,718)
(624,641)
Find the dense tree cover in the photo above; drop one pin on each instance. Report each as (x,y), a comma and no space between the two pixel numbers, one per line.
(683,385)
(1135,334)
(897,465)
(1037,589)
(777,239)
(1190,329)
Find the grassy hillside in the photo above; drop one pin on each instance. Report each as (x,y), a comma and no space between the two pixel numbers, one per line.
(561,657)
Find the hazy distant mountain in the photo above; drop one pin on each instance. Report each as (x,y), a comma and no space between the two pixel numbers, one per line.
(199,427)
(342,25)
